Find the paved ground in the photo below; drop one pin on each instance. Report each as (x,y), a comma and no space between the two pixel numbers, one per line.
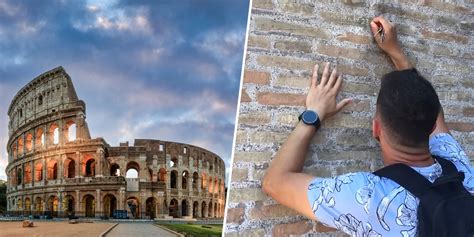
(53,229)
(138,230)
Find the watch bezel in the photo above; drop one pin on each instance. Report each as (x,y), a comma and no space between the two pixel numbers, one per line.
(307,120)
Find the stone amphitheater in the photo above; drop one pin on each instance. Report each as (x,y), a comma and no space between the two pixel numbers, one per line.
(57,170)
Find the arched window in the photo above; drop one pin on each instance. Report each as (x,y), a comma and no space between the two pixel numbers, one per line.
(29,141)
(162,175)
(20,145)
(115,170)
(174,179)
(184,180)
(90,168)
(195,179)
(39,138)
(71,131)
(39,171)
(173,162)
(132,170)
(19,177)
(40,99)
(69,168)
(54,134)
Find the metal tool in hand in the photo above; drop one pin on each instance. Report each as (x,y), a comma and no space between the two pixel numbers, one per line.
(380,31)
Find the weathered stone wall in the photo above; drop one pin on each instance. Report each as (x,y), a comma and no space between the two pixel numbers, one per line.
(285,40)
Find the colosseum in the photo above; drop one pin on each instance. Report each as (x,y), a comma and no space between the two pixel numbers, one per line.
(57,170)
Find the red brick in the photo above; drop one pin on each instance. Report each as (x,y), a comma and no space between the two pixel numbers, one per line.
(265,4)
(244,97)
(445,36)
(354,38)
(298,228)
(255,77)
(468,112)
(444,6)
(461,127)
(235,215)
(270,212)
(274,98)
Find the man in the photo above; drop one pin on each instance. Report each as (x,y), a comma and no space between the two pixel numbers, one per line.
(410,126)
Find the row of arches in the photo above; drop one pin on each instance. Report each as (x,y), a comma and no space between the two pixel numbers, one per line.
(213,185)
(19,176)
(37,138)
(88,207)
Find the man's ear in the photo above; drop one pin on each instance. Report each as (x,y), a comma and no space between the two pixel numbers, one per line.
(376,128)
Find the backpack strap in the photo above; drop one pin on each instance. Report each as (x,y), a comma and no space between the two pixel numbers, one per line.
(407,177)
(450,172)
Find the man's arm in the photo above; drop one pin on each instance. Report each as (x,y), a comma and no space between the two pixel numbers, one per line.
(284,181)
(392,48)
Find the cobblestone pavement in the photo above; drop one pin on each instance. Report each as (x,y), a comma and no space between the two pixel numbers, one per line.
(138,230)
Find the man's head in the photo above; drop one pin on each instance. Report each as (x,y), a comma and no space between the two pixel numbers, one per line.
(407,108)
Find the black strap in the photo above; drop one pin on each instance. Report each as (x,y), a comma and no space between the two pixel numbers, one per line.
(416,183)
(407,177)
(447,166)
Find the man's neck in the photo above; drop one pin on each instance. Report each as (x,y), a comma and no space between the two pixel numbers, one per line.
(415,157)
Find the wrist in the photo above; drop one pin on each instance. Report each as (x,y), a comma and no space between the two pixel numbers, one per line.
(319,112)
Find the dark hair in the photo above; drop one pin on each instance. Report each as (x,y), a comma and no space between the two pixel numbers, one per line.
(408,107)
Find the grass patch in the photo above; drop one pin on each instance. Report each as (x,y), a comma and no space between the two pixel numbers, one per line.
(196,230)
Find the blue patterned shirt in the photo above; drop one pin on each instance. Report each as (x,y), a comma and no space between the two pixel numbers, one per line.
(363,204)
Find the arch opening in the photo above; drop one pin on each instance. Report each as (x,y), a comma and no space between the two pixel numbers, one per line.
(184,180)
(134,207)
(70,133)
(69,168)
(132,170)
(174,179)
(184,208)
(114,170)
(151,208)
(89,205)
(110,205)
(162,175)
(173,208)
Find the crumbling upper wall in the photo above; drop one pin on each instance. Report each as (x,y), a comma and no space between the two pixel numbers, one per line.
(48,93)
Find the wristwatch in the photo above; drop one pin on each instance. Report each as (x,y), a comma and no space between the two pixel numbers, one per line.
(310,117)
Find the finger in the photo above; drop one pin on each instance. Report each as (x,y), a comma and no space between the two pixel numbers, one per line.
(332,78)
(343,104)
(324,78)
(374,28)
(385,23)
(338,84)
(314,78)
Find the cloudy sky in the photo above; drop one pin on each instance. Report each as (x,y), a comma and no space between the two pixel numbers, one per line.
(167,70)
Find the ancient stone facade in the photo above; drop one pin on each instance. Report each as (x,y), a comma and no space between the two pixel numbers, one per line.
(285,40)
(55,167)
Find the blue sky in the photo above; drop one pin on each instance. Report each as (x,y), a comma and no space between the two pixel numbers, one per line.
(166,70)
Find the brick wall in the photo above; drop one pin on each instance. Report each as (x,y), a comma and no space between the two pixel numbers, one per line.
(285,40)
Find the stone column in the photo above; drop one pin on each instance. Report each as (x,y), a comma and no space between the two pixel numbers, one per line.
(98,203)
(45,170)
(99,161)
(78,164)
(60,167)
(60,203)
(32,165)
(122,198)
(77,208)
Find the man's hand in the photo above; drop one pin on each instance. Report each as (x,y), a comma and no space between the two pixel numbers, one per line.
(390,44)
(322,96)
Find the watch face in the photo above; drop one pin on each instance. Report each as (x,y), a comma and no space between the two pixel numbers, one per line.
(309,117)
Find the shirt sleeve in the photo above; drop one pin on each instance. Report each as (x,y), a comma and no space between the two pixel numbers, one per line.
(337,199)
(443,145)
